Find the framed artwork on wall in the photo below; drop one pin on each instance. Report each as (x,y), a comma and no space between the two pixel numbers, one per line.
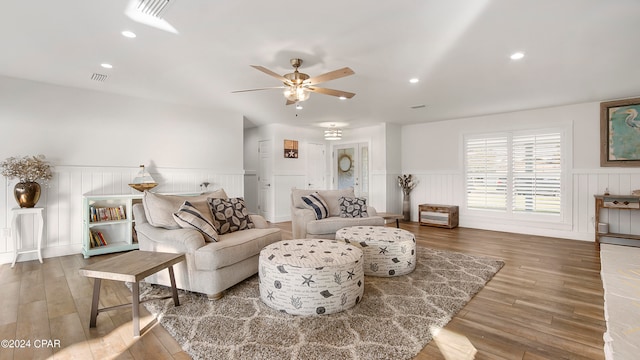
(620,133)
(291,149)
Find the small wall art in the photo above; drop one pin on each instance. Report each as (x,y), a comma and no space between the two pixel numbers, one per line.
(620,133)
(291,149)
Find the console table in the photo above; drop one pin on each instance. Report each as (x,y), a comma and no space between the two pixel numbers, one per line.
(622,202)
(445,216)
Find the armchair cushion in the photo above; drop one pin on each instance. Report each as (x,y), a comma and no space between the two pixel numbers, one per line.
(315,203)
(353,207)
(188,217)
(230,215)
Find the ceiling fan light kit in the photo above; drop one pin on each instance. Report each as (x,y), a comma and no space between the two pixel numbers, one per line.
(299,86)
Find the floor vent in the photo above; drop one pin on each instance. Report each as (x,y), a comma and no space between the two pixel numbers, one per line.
(98,77)
(155,8)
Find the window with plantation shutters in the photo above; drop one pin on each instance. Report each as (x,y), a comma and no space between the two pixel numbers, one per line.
(487,168)
(514,172)
(536,173)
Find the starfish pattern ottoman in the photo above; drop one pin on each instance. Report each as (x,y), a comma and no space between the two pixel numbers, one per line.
(309,276)
(387,251)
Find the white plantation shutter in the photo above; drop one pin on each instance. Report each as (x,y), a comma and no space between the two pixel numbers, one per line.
(536,166)
(514,172)
(487,169)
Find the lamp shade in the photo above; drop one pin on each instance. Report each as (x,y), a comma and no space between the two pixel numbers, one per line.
(296,93)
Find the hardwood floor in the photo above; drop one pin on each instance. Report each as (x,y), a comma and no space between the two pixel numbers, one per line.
(545,303)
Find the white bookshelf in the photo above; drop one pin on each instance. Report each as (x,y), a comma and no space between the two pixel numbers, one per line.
(118,233)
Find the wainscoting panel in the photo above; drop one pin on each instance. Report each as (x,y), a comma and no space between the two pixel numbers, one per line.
(62,200)
(283,183)
(588,183)
(448,188)
(436,188)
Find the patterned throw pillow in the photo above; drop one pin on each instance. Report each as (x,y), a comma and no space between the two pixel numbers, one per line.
(353,207)
(229,215)
(188,217)
(314,202)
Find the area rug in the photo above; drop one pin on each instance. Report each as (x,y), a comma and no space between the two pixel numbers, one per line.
(396,318)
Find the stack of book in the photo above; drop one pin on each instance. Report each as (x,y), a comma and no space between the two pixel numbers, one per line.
(107,213)
(97,238)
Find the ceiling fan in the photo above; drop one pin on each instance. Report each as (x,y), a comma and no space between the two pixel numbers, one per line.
(298,86)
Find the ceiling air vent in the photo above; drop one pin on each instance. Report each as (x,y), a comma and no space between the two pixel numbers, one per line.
(155,8)
(418,106)
(98,77)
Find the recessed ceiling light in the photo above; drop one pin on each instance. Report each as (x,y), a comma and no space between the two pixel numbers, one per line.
(128,34)
(517,55)
(106,66)
(299,107)
(414,80)
(342,98)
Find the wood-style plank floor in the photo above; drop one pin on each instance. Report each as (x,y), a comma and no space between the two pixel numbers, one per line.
(545,303)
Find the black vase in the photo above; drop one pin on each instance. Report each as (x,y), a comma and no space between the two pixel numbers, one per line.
(27,193)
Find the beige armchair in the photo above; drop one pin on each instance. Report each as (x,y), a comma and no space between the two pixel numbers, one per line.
(305,225)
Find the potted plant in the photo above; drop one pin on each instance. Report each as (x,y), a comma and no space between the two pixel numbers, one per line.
(27,170)
(407,183)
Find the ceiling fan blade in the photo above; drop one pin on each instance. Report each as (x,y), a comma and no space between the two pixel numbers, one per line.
(289,102)
(271,73)
(336,74)
(267,88)
(331,92)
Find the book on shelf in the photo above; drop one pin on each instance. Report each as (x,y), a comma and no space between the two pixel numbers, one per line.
(97,214)
(97,238)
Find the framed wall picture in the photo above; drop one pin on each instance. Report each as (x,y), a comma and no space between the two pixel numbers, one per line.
(620,133)
(291,149)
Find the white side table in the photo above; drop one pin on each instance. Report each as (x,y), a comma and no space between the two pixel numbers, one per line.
(15,234)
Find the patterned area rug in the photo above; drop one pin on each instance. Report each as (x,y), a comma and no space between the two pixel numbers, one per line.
(396,318)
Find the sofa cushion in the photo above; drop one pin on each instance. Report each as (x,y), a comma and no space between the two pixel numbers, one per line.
(159,208)
(315,202)
(229,215)
(188,217)
(353,207)
(234,247)
(335,223)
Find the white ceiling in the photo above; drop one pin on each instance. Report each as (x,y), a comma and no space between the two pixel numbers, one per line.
(576,51)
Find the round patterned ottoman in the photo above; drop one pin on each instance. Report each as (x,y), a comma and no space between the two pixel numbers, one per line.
(387,251)
(308,277)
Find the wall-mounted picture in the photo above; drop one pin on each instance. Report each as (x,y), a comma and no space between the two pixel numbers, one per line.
(620,133)
(291,149)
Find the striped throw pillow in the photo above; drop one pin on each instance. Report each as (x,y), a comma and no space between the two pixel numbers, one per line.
(314,202)
(188,217)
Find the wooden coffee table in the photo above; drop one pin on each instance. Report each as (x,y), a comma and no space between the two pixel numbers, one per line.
(132,267)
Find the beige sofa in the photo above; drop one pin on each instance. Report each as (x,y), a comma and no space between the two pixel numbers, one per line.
(211,267)
(305,225)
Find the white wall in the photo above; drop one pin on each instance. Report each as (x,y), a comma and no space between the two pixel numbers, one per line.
(433,152)
(97,141)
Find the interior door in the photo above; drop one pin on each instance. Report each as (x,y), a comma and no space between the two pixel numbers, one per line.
(351,168)
(265,178)
(316,166)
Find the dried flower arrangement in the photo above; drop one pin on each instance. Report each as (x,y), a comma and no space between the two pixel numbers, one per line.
(407,183)
(27,169)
